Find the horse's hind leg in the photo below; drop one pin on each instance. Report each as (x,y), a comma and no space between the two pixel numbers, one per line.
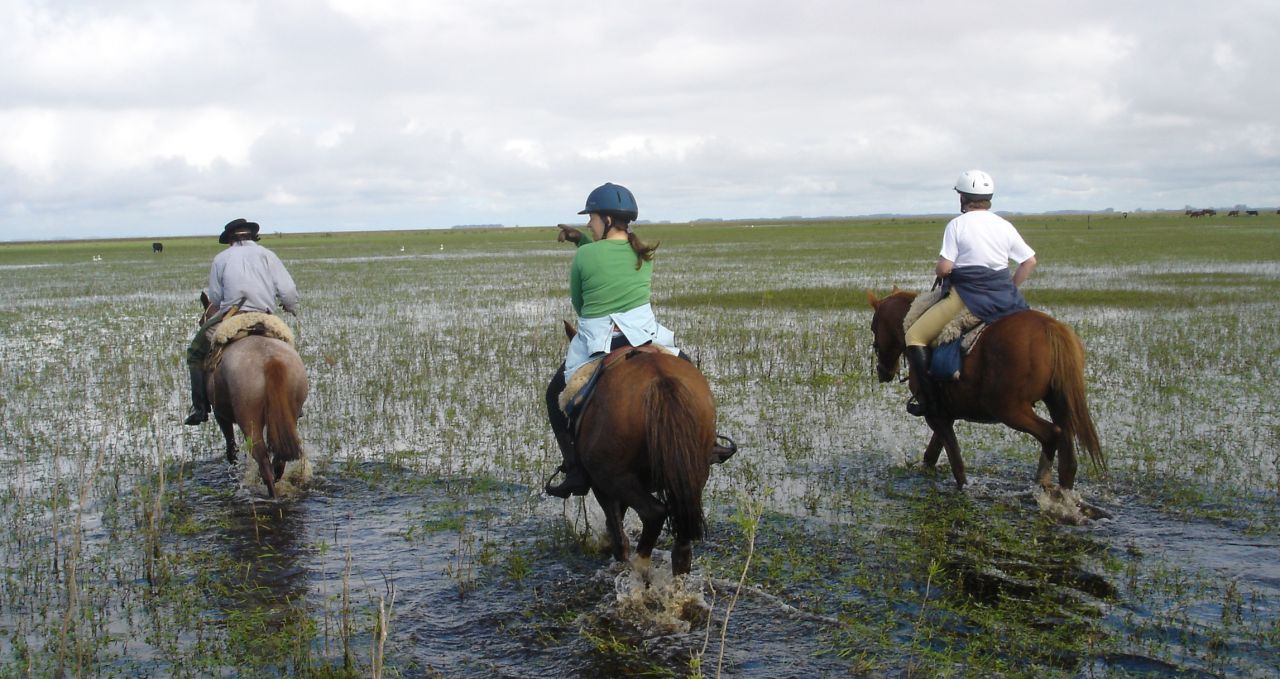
(1047,433)
(613,511)
(229,434)
(652,515)
(277,468)
(1065,443)
(263,458)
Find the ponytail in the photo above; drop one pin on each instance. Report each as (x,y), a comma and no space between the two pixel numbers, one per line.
(644,253)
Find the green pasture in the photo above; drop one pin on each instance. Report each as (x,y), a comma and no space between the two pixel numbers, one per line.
(428,353)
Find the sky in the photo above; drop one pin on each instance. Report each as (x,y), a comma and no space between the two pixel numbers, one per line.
(152,118)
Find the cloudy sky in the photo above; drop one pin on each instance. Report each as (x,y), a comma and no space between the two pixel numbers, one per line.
(148,118)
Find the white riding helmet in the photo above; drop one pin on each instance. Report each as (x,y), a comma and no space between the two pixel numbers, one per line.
(976,182)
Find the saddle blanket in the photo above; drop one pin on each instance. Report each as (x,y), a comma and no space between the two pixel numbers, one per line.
(581,377)
(242,325)
(965,327)
(953,343)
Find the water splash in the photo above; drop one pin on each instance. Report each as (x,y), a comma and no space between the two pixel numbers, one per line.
(297,474)
(1068,507)
(655,603)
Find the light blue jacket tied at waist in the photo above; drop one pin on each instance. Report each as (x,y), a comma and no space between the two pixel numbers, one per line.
(596,334)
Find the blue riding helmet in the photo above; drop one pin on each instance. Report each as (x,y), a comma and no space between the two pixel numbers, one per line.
(612,199)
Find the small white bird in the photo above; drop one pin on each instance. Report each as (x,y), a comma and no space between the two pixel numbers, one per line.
(401,248)
(442,246)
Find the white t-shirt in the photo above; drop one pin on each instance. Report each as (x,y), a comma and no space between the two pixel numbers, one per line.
(983,238)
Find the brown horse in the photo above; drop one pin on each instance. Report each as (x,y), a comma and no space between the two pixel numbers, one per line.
(1019,360)
(260,385)
(650,426)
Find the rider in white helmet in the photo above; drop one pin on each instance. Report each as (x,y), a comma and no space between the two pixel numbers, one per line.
(973,266)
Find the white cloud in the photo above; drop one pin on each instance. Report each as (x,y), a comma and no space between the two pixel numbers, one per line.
(399,113)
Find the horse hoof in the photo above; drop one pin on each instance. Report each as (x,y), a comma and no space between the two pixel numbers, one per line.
(643,566)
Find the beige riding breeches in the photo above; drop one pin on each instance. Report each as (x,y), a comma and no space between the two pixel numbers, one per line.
(931,322)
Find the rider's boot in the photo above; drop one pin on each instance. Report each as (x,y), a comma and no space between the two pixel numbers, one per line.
(575,481)
(927,398)
(199,397)
(575,477)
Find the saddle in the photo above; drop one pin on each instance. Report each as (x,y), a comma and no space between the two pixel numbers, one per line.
(242,325)
(581,385)
(951,345)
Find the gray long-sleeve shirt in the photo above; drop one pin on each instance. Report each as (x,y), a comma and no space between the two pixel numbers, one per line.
(248,271)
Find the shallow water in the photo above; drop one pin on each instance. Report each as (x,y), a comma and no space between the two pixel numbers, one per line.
(130,547)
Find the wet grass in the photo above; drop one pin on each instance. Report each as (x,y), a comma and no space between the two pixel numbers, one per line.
(128,549)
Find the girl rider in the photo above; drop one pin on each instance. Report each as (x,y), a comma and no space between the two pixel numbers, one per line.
(609,283)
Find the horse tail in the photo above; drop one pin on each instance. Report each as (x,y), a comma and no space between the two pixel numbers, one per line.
(1068,383)
(677,453)
(281,415)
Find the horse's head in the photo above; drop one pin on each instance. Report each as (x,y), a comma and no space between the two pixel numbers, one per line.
(207,310)
(888,335)
(569,330)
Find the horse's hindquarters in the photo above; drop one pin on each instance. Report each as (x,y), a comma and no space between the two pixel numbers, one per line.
(261,385)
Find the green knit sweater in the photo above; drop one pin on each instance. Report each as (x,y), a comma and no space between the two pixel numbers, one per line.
(604,279)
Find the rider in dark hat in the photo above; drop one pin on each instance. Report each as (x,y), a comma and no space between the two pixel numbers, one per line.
(245,276)
(240,229)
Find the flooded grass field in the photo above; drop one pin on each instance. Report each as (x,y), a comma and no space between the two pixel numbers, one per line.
(420,545)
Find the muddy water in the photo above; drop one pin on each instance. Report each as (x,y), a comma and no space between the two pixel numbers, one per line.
(483,579)
(375,534)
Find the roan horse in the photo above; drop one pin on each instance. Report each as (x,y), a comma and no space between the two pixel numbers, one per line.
(260,385)
(650,426)
(1019,360)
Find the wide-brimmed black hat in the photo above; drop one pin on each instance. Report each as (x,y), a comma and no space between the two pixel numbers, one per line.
(237,225)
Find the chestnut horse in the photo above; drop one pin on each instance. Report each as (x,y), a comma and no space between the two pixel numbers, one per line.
(260,385)
(650,426)
(1018,360)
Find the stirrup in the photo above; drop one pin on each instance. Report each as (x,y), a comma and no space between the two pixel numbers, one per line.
(918,409)
(721,452)
(569,486)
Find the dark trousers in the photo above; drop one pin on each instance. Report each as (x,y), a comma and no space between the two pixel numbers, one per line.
(200,345)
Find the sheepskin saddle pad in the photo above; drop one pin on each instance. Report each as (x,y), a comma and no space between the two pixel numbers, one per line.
(578,387)
(240,326)
(966,324)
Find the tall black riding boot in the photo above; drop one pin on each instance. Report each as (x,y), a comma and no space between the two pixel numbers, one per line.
(575,477)
(199,397)
(927,400)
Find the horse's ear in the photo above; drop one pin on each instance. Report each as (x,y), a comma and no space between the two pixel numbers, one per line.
(569,330)
(873,300)
(204,300)
(895,290)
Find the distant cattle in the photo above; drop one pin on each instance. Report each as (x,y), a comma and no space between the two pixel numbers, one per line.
(1210,212)
(1251,213)
(157,247)
(1233,213)
(1197,213)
